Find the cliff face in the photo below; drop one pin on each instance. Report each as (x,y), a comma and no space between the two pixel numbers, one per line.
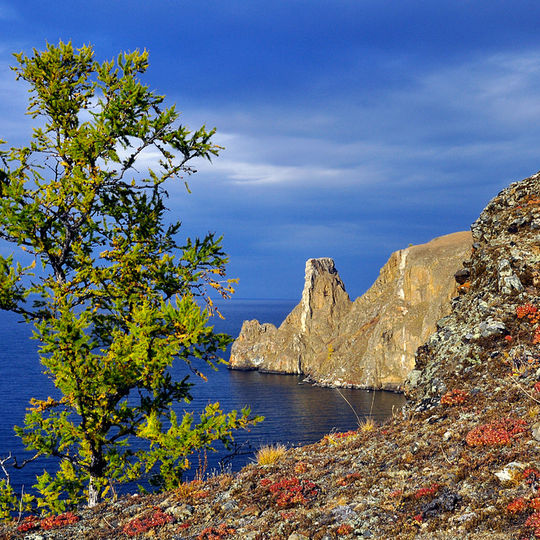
(503,272)
(367,343)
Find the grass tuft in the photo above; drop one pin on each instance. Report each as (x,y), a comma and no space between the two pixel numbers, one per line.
(367,425)
(270,454)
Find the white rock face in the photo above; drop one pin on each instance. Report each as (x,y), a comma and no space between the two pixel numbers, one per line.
(368,343)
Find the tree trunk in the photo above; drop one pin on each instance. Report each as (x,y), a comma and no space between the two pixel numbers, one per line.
(93,492)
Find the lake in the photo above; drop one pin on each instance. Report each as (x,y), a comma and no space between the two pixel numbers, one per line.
(295,412)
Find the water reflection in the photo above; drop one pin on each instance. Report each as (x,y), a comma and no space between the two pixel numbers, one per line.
(300,413)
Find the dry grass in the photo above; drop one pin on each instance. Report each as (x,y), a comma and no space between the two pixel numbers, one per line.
(270,454)
(367,425)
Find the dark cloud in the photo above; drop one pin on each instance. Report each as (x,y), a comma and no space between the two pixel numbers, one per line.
(351,128)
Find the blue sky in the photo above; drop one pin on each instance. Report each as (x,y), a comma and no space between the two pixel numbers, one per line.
(352,127)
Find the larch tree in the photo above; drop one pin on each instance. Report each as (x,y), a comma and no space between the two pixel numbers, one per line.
(113,294)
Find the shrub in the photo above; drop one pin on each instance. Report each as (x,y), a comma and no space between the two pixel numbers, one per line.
(367,425)
(143,524)
(215,533)
(533,521)
(290,491)
(496,433)
(424,492)
(517,506)
(454,397)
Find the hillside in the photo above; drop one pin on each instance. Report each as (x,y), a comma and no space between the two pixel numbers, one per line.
(461,460)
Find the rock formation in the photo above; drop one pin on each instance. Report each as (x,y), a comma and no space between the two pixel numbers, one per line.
(368,343)
(503,272)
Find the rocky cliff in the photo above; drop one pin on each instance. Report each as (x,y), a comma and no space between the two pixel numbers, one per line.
(367,343)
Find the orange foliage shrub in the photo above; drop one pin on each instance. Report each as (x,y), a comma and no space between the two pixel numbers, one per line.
(496,433)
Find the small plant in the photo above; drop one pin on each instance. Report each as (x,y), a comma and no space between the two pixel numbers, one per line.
(188,489)
(271,454)
(426,491)
(528,311)
(334,438)
(349,479)
(517,506)
(344,529)
(496,433)
(367,425)
(290,491)
(29,523)
(454,397)
(56,522)
(533,521)
(216,533)
(143,524)
(532,476)
(532,314)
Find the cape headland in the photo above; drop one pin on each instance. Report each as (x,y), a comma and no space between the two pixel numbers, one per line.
(368,343)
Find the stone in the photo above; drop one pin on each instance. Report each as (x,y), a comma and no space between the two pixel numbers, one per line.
(414,377)
(508,281)
(368,343)
(535,429)
(461,276)
(491,328)
(511,472)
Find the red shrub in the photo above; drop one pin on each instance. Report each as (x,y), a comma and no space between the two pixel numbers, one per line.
(216,533)
(454,397)
(28,524)
(526,310)
(496,433)
(61,520)
(533,522)
(344,529)
(290,491)
(531,475)
(143,524)
(517,506)
(423,492)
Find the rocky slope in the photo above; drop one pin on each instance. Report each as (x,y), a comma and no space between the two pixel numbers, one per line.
(461,460)
(369,343)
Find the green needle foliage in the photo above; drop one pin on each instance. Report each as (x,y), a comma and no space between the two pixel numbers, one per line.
(115,299)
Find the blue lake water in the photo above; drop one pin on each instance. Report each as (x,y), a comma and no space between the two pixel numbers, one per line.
(295,413)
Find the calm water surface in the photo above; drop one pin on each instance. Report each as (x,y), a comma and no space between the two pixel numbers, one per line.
(295,413)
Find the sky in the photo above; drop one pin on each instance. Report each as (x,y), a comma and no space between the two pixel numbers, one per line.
(352,128)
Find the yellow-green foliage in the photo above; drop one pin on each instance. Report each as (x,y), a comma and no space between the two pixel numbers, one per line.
(367,425)
(270,454)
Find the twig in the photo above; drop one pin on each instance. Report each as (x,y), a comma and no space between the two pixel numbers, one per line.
(349,404)
(20,505)
(2,465)
(444,453)
(523,390)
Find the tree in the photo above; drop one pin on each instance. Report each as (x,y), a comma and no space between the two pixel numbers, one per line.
(114,298)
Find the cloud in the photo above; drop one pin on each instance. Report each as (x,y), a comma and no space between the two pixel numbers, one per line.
(441,126)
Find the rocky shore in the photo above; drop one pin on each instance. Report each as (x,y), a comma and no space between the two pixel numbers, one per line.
(461,460)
